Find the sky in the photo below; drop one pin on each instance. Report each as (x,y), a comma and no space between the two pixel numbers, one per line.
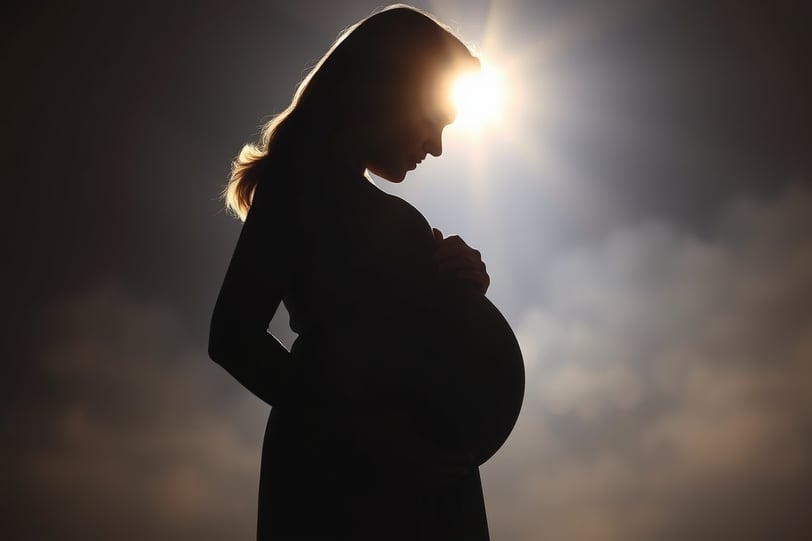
(644,208)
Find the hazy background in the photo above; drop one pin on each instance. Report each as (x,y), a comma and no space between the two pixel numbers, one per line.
(645,212)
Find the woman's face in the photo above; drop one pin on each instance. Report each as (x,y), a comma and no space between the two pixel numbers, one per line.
(407,130)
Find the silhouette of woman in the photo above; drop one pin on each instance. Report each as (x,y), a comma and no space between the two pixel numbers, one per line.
(354,449)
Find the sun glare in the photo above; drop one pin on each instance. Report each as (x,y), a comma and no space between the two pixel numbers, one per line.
(479,99)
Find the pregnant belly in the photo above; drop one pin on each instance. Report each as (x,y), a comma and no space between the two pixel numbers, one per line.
(474,378)
(446,354)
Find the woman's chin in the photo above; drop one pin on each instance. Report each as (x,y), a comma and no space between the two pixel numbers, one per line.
(392,174)
(395,177)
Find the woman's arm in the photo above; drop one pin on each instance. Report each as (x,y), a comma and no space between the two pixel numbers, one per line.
(257,279)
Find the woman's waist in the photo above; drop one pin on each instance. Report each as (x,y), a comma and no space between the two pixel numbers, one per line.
(348,366)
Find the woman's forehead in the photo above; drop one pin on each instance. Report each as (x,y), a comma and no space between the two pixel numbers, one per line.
(437,82)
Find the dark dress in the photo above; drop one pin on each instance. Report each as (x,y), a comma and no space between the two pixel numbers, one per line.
(355,449)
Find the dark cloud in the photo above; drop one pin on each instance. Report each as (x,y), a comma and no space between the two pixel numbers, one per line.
(668,391)
(142,439)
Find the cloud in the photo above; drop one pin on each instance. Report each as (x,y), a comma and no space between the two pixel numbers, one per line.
(668,398)
(668,386)
(142,439)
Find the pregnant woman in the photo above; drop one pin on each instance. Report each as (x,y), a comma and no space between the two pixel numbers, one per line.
(404,378)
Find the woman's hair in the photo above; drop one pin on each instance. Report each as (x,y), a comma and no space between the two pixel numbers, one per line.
(373,64)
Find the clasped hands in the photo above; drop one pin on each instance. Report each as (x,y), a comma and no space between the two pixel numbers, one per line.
(452,255)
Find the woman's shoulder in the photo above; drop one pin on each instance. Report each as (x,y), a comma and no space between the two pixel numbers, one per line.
(405,210)
(275,195)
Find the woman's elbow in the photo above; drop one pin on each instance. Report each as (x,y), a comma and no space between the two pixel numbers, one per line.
(221,339)
(230,338)
(216,352)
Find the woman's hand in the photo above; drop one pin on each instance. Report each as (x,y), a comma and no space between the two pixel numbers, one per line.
(452,255)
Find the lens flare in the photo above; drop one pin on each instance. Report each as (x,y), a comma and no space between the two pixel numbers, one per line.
(478,99)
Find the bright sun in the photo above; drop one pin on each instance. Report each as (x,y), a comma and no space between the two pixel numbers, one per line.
(478,98)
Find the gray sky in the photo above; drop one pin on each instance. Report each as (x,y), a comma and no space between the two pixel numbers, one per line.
(645,212)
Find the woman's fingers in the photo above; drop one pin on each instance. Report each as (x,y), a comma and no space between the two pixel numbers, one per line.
(447,251)
(460,262)
(450,246)
(480,280)
(453,255)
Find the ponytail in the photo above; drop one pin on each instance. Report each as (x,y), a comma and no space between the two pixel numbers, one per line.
(247,168)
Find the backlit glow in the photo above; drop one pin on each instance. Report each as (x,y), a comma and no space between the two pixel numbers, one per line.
(478,99)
